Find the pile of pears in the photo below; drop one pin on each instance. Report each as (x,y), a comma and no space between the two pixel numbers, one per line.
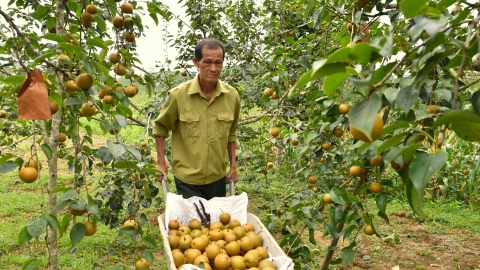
(225,245)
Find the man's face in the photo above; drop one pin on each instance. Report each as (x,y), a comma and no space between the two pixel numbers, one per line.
(211,64)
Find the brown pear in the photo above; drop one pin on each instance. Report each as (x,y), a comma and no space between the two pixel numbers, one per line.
(185,242)
(262,253)
(191,254)
(251,258)
(222,262)
(184,230)
(225,218)
(216,235)
(239,232)
(173,241)
(215,225)
(195,233)
(238,262)
(233,248)
(234,223)
(199,243)
(246,244)
(248,227)
(266,263)
(178,257)
(195,224)
(212,251)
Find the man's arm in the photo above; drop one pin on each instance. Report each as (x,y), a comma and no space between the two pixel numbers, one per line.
(161,164)
(232,174)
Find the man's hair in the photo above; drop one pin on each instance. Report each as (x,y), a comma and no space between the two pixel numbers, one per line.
(211,45)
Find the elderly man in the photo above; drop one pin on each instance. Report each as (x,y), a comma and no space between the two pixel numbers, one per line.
(203,117)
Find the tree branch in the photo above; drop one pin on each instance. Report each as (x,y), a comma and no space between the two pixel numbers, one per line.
(29,44)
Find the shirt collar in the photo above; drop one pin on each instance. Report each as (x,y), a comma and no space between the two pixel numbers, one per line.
(195,87)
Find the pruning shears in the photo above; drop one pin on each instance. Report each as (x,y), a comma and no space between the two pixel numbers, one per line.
(205,217)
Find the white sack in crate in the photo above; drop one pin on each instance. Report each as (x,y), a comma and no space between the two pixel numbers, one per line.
(184,211)
(282,263)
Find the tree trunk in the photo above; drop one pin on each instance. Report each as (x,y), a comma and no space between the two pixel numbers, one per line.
(52,238)
(278,155)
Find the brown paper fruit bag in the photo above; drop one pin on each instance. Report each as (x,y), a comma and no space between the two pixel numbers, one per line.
(32,98)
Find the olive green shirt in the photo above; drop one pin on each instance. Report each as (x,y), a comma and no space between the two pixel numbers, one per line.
(201,130)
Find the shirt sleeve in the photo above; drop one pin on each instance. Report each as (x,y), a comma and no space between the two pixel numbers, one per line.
(232,137)
(167,119)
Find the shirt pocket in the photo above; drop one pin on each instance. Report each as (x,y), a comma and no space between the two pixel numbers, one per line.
(224,123)
(190,124)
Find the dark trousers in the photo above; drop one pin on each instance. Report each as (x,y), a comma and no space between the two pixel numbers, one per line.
(208,191)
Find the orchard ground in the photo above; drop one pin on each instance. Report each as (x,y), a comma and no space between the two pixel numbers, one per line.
(448,239)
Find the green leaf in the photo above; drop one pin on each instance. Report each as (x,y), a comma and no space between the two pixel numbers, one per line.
(17,79)
(311,236)
(134,152)
(101,23)
(121,120)
(412,8)
(77,233)
(381,201)
(445,3)
(73,101)
(98,66)
(380,73)
(30,264)
(68,195)
(393,127)
(354,217)
(105,155)
(41,11)
(8,166)
(46,150)
(88,66)
(393,141)
(72,48)
(117,149)
(44,56)
(332,82)
(362,53)
(395,152)
(52,221)
(65,221)
(147,255)
(407,97)
(423,167)
(24,236)
(37,226)
(384,216)
(339,195)
(151,170)
(122,164)
(363,114)
(414,198)
(320,69)
(466,124)
(96,43)
(476,101)
(150,241)
(55,37)
(347,256)
(59,206)
(146,189)
(105,125)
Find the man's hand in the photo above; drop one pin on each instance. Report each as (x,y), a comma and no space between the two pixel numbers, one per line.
(232,174)
(161,165)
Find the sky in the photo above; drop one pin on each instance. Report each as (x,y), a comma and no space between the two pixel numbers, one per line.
(151,47)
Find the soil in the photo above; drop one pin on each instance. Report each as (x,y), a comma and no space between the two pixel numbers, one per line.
(416,247)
